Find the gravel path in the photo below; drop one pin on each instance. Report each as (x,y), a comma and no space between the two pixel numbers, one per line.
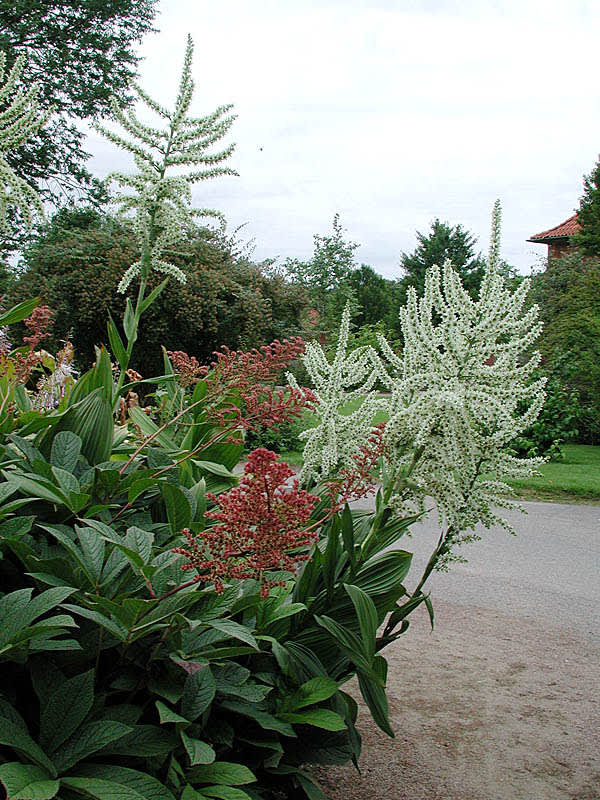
(502,700)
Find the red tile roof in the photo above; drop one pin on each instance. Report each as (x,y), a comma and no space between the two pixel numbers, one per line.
(567,228)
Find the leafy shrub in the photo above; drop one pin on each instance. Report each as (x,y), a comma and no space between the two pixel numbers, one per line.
(556,424)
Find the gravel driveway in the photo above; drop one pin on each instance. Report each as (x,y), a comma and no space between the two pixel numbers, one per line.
(502,700)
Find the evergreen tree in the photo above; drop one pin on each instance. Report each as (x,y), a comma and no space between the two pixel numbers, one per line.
(441,243)
(588,238)
(327,275)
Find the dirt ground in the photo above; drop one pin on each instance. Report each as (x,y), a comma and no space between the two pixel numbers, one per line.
(487,707)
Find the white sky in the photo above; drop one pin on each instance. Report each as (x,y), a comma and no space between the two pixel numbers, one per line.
(390,112)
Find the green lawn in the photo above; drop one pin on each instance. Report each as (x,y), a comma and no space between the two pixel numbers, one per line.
(575,479)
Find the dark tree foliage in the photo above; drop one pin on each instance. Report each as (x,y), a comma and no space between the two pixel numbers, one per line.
(82,52)
(377,298)
(79,257)
(588,238)
(441,243)
(568,294)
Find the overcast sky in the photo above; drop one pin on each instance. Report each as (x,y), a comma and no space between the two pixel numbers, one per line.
(390,112)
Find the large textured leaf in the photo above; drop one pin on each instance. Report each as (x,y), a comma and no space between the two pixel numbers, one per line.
(223,772)
(13,736)
(27,782)
(198,752)
(319,717)
(225,793)
(313,691)
(366,614)
(86,740)
(198,693)
(19,312)
(179,509)
(65,450)
(66,709)
(235,630)
(92,420)
(144,741)
(383,573)
(127,779)
(375,696)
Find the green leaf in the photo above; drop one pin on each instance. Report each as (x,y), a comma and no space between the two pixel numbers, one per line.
(265,720)
(86,740)
(27,782)
(199,752)
(313,691)
(66,709)
(129,322)
(223,772)
(116,343)
(347,641)
(198,693)
(375,697)
(141,783)
(319,717)
(153,295)
(383,573)
(310,787)
(367,616)
(225,793)
(19,312)
(101,789)
(144,741)
(235,630)
(140,542)
(167,714)
(13,736)
(95,616)
(65,450)
(93,548)
(178,507)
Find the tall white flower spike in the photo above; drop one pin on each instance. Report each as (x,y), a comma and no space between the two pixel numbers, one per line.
(161,202)
(20,119)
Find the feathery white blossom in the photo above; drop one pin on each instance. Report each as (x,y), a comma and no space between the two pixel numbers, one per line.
(19,120)
(461,390)
(161,202)
(331,444)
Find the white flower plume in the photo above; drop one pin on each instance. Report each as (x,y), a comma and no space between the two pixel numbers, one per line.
(161,202)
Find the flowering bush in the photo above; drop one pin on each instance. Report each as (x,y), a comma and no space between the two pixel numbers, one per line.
(123,677)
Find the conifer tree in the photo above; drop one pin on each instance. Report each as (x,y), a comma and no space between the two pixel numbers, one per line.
(588,238)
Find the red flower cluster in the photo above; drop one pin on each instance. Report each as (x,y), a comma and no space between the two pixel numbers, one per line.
(357,481)
(245,370)
(247,374)
(260,523)
(23,364)
(187,368)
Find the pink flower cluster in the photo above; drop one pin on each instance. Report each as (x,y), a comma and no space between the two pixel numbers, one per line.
(261,527)
(186,367)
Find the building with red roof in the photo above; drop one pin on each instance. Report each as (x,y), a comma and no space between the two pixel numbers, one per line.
(558,238)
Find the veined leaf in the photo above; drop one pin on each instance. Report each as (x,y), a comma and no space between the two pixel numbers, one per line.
(367,616)
(19,312)
(13,736)
(140,782)
(198,752)
(27,782)
(225,772)
(65,450)
(318,717)
(313,691)
(198,693)
(66,709)
(86,740)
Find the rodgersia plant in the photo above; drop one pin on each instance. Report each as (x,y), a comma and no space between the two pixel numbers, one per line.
(460,391)
(20,119)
